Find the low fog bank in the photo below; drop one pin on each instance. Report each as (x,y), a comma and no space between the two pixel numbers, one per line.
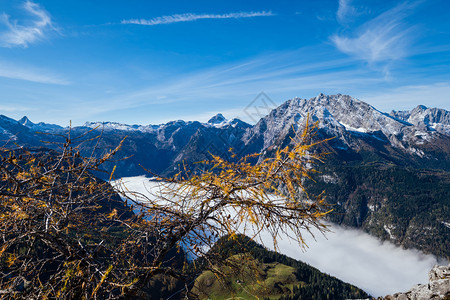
(379,268)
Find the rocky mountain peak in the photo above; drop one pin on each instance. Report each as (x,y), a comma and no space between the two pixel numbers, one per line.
(217,119)
(430,119)
(419,108)
(343,116)
(26,122)
(344,111)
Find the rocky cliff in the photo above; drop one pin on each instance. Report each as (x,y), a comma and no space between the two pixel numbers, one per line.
(438,287)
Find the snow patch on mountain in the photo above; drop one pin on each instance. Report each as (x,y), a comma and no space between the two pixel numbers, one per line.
(217,121)
(350,128)
(119,126)
(6,135)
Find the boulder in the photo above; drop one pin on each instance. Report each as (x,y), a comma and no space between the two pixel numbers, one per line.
(438,287)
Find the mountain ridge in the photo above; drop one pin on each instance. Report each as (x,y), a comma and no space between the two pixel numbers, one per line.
(419,137)
(410,148)
(432,116)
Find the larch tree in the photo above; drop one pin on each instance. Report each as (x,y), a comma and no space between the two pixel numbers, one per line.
(66,234)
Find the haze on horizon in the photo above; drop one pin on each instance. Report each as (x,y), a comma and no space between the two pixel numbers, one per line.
(141,62)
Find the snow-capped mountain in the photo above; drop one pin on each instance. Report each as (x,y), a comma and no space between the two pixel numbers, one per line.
(426,118)
(353,121)
(111,126)
(419,133)
(217,120)
(375,175)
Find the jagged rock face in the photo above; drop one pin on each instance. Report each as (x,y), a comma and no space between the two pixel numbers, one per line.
(350,113)
(438,287)
(403,136)
(355,123)
(429,119)
(25,121)
(439,272)
(346,118)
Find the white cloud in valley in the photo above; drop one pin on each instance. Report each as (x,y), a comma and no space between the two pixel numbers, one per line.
(379,268)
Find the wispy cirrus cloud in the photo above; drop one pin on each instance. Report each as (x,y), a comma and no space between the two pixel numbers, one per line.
(15,108)
(408,96)
(13,71)
(15,34)
(189,17)
(281,75)
(384,38)
(345,11)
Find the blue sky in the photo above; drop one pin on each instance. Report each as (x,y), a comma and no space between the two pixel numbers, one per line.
(148,62)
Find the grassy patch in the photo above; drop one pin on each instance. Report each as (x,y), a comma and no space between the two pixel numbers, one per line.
(250,280)
(253,272)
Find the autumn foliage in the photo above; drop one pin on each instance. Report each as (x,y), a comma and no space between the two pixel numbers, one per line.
(66,234)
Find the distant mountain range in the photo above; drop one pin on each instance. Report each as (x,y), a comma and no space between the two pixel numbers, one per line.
(387,173)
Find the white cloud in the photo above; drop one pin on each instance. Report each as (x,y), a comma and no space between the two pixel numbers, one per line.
(382,39)
(230,88)
(189,17)
(247,78)
(24,35)
(281,75)
(379,268)
(12,71)
(14,108)
(345,11)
